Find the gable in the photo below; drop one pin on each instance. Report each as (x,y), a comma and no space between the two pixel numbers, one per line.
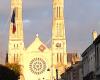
(37,46)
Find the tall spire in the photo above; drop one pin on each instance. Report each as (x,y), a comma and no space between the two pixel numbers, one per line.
(58,20)
(16,5)
(15,45)
(58,38)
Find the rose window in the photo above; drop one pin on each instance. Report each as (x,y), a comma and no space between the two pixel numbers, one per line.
(37,66)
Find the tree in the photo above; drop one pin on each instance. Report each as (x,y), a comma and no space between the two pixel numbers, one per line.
(7,74)
(15,67)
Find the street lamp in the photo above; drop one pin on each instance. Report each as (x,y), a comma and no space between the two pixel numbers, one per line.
(56,74)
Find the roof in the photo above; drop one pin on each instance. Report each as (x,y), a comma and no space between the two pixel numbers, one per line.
(73,57)
(37,45)
(96,41)
(88,49)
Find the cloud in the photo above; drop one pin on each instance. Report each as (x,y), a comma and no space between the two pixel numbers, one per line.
(26,21)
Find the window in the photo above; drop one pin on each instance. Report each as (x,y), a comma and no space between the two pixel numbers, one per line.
(14,57)
(17,45)
(59,12)
(14,45)
(16,10)
(57,57)
(60,58)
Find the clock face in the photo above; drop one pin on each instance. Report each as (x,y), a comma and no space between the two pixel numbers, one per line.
(37,66)
(58,44)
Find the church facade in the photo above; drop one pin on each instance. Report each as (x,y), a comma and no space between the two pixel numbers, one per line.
(38,62)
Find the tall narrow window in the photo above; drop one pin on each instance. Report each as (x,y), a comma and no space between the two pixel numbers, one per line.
(60,58)
(57,57)
(14,57)
(17,57)
(17,45)
(16,12)
(59,12)
(14,45)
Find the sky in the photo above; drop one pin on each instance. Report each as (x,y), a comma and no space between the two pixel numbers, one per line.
(82,17)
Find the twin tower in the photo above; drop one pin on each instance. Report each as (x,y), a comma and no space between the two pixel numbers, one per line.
(38,62)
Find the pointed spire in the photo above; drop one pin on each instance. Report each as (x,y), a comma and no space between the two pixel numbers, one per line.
(37,35)
(15,40)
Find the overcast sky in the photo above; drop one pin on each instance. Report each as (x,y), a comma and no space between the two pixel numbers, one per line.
(81,18)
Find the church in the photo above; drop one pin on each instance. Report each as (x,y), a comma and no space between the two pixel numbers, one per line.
(38,62)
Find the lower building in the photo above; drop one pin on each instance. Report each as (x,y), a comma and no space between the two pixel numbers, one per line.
(74,72)
(91,61)
(97,57)
(88,63)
